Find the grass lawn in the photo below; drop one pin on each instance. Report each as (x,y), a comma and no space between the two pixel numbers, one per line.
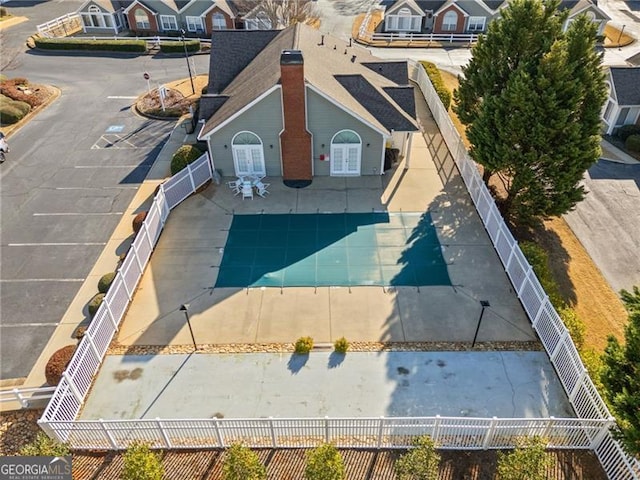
(581,283)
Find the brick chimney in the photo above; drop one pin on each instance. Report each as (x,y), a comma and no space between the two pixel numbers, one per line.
(295,140)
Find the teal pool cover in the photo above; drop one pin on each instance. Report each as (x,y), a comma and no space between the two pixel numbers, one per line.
(349,249)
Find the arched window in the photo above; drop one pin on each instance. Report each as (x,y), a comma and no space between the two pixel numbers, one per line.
(450,21)
(142,19)
(346,153)
(248,155)
(218,21)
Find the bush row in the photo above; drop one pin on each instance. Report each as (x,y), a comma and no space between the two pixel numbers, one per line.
(633,143)
(138,46)
(305,344)
(12,111)
(438,84)
(185,155)
(178,47)
(625,131)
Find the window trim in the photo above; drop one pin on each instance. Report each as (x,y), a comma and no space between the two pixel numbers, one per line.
(194,23)
(476,18)
(445,26)
(170,18)
(146,23)
(345,146)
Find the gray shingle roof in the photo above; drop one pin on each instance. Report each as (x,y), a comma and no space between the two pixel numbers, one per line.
(231,52)
(368,96)
(323,60)
(404,97)
(210,104)
(626,83)
(395,71)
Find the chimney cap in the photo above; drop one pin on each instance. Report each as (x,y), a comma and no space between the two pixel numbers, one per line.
(291,57)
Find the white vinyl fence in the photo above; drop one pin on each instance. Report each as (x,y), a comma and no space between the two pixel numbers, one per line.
(545,320)
(26,396)
(72,20)
(367,36)
(76,380)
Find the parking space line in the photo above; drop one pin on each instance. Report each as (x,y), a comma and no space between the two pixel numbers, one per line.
(111,166)
(125,187)
(121,97)
(71,214)
(28,280)
(13,325)
(62,244)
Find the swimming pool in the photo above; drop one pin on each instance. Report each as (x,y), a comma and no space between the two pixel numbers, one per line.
(349,249)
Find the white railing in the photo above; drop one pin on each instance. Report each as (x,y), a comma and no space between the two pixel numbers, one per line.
(76,379)
(381,432)
(26,396)
(555,337)
(45,28)
(366,35)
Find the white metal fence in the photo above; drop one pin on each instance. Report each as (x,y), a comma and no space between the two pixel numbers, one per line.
(555,337)
(26,396)
(396,432)
(77,378)
(69,19)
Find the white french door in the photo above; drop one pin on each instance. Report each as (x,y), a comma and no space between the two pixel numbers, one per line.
(248,160)
(345,159)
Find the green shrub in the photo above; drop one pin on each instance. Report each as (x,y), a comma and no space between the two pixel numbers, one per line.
(138,220)
(625,131)
(44,446)
(575,326)
(529,461)
(185,155)
(94,304)
(438,84)
(341,345)
(57,364)
(241,463)
(9,114)
(539,260)
(137,46)
(633,143)
(594,364)
(178,47)
(324,463)
(420,463)
(303,345)
(105,282)
(140,463)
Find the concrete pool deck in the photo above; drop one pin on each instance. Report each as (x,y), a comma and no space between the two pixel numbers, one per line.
(362,384)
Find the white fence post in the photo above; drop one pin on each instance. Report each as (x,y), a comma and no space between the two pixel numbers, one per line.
(110,315)
(604,429)
(72,387)
(534,323)
(94,349)
(380,431)
(547,429)
(489,435)
(146,232)
(326,429)
(216,424)
(165,437)
(524,280)
(23,402)
(436,429)
(193,184)
(559,345)
(274,441)
(112,441)
(578,384)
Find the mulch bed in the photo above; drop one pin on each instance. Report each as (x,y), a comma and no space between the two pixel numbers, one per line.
(175,104)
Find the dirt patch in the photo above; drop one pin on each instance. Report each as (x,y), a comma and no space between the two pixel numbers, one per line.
(180,97)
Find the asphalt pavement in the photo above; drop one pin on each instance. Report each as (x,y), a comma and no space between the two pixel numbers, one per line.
(72,172)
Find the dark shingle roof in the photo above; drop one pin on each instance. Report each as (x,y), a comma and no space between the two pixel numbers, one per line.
(232,51)
(397,72)
(367,95)
(626,83)
(209,104)
(403,96)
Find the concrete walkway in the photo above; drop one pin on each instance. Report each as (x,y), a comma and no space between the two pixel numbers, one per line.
(367,384)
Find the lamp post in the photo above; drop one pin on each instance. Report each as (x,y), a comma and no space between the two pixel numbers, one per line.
(185,308)
(186,56)
(484,304)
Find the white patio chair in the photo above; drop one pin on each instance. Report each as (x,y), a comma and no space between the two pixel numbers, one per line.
(235,186)
(247,190)
(261,188)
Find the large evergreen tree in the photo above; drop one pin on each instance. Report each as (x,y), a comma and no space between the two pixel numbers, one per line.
(531,98)
(621,375)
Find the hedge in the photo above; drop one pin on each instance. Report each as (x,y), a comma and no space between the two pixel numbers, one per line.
(12,111)
(138,46)
(438,84)
(185,155)
(177,47)
(625,131)
(633,143)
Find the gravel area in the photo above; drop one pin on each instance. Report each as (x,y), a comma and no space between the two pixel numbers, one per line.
(17,428)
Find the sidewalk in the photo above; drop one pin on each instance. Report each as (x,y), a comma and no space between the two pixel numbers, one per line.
(119,242)
(614,154)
